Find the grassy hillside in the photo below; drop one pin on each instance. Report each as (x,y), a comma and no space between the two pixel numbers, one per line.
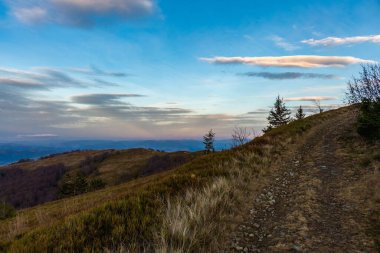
(180,210)
(26,184)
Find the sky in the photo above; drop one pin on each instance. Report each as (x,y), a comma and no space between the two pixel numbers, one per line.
(163,69)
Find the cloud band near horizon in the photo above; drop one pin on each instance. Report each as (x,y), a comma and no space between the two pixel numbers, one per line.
(311,99)
(295,61)
(290,75)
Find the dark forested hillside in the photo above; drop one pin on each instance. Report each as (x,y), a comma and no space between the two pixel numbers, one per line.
(29,183)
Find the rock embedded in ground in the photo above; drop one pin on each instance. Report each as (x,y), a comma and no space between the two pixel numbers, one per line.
(296,248)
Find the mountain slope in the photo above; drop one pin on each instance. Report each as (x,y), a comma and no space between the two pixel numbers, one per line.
(198,206)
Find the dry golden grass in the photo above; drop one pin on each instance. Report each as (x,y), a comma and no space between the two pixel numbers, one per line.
(49,213)
(188,219)
(362,163)
(183,210)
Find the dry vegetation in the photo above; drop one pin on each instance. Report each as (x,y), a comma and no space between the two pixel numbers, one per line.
(363,161)
(181,210)
(32,183)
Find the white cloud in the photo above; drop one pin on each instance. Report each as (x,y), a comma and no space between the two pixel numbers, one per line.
(282,43)
(336,41)
(80,13)
(314,98)
(297,61)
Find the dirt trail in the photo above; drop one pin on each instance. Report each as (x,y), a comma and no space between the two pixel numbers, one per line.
(302,210)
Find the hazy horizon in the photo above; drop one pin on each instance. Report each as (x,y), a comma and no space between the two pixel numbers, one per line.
(15,151)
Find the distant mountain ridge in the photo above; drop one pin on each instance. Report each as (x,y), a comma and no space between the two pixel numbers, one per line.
(13,152)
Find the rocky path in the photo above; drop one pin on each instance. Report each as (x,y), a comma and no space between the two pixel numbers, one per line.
(301,211)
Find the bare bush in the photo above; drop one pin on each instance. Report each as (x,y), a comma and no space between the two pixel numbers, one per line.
(240,136)
(317,104)
(366,86)
(365,89)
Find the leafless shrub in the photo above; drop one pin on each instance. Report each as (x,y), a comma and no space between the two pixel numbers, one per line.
(317,104)
(240,136)
(366,86)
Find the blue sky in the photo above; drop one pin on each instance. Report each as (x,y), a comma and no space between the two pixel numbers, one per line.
(145,69)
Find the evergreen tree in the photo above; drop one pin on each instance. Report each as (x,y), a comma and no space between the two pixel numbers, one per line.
(72,185)
(279,115)
(80,184)
(208,140)
(66,186)
(300,114)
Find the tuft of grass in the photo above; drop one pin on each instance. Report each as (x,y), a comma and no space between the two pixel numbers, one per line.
(188,219)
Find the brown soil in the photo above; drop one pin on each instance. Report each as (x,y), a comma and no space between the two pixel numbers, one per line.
(303,208)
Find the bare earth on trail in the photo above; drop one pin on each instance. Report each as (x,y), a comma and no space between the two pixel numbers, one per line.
(304,209)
